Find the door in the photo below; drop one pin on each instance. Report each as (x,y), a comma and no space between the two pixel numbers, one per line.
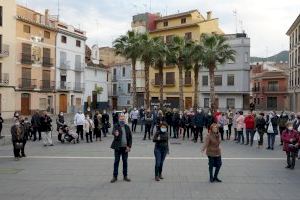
(188,102)
(25,104)
(94,97)
(114,103)
(63,84)
(63,103)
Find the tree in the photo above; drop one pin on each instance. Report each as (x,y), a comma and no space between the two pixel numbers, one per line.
(129,46)
(180,51)
(216,51)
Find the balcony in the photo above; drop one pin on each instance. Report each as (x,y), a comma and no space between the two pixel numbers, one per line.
(27,84)
(4,79)
(256,89)
(63,86)
(65,65)
(79,67)
(78,87)
(47,85)
(26,58)
(138,89)
(140,73)
(47,62)
(187,82)
(169,83)
(275,90)
(4,50)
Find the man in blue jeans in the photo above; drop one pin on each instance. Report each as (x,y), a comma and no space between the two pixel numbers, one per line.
(121,144)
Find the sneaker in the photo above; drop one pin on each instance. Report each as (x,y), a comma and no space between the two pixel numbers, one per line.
(157,178)
(161,177)
(217,180)
(17,159)
(114,179)
(288,166)
(51,145)
(126,179)
(24,155)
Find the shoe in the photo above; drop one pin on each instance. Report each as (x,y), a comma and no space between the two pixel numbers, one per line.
(114,179)
(17,159)
(211,180)
(217,180)
(272,148)
(292,167)
(45,145)
(161,177)
(126,179)
(157,178)
(51,145)
(268,148)
(144,138)
(288,166)
(24,155)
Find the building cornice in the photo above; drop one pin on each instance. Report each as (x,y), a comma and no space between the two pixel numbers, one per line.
(29,21)
(294,25)
(65,32)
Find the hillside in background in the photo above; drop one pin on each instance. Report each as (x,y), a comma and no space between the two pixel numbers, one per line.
(282,56)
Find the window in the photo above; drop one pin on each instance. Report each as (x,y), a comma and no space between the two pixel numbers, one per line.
(47,34)
(166,23)
(204,80)
(43,104)
(272,103)
(63,39)
(273,86)
(230,80)
(114,89)
(206,102)
(188,36)
(169,38)
(128,87)
(1,15)
(188,78)
(170,78)
(26,29)
(246,57)
(157,78)
(230,103)
(183,20)
(218,80)
(128,102)
(78,43)
(123,71)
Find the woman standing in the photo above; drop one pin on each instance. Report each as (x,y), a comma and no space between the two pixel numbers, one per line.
(240,127)
(213,152)
(17,136)
(161,149)
(272,131)
(60,122)
(291,142)
(88,128)
(260,127)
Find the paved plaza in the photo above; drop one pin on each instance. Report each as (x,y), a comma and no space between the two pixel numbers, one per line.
(83,171)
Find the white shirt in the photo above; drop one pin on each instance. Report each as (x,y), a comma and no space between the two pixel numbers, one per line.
(79,119)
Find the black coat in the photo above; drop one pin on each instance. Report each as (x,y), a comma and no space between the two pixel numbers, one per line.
(45,123)
(36,121)
(117,142)
(14,136)
(115,118)
(169,116)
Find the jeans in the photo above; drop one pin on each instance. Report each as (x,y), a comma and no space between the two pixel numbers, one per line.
(198,131)
(249,136)
(16,150)
(235,134)
(133,125)
(35,129)
(105,129)
(79,131)
(281,129)
(291,158)
(261,137)
(271,140)
(160,155)
(221,130)
(90,135)
(118,153)
(23,148)
(142,122)
(240,137)
(47,138)
(186,132)
(214,162)
(175,131)
(147,130)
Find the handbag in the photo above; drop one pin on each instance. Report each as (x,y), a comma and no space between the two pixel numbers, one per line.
(256,136)
(270,128)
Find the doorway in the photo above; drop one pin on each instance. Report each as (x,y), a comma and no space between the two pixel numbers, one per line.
(63,103)
(25,104)
(188,102)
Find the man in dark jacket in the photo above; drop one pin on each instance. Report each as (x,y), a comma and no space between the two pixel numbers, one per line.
(199,123)
(36,125)
(175,123)
(169,116)
(46,129)
(105,123)
(283,119)
(115,117)
(121,144)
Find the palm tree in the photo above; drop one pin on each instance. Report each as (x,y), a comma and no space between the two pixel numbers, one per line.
(215,51)
(129,46)
(159,60)
(148,53)
(197,56)
(180,51)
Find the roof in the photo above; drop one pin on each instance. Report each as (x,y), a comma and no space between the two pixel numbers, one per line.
(187,13)
(294,25)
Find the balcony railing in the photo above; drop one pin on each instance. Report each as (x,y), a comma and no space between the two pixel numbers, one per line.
(4,79)
(166,83)
(47,85)
(27,84)
(188,82)
(275,89)
(64,65)
(4,50)
(63,85)
(79,87)
(138,89)
(26,58)
(79,67)
(47,62)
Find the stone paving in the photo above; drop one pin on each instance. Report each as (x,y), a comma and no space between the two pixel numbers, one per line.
(83,171)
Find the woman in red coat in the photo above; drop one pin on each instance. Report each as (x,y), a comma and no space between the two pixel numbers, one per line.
(291,143)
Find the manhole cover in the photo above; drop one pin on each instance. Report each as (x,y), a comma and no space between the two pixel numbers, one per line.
(9,171)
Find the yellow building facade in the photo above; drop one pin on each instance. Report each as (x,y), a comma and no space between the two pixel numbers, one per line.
(190,25)
(35,61)
(7,57)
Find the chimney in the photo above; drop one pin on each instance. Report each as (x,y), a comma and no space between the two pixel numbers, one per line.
(208,15)
(47,16)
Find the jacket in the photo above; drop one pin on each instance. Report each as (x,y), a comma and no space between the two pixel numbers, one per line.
(36,121)
(134,114)
(98,121)
(105,118)
(169,116)
(175,119)
(274,121)
(117,142)
(88,125)
(260,124)
(79,119)
(212,144)
(15,135)
(240,123)
(199,120)
(148,118)
(209,120)
(159,119)
(282,121)
(286,137)
(45,123)
(60,121)
(161,140)
(115,117)
(249,122)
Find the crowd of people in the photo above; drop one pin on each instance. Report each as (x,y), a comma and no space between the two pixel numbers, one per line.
(158,125)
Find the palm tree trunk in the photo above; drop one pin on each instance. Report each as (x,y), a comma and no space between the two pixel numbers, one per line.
(212,87)
(181,107)
(147,98)
(196,77)
(161,87)
(134,84)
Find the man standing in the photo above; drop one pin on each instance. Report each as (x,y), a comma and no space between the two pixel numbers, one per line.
(36,125)
(198,123)
(105,123)
(121,144)
(79,122)
(134,115)
(142,117)
(46,129)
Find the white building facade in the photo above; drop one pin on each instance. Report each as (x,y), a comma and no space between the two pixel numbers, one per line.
(70,66)
(232,80)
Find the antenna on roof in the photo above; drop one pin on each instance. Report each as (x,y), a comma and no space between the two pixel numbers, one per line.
(58,9)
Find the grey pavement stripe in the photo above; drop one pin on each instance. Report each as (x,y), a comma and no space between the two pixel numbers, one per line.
(139,158)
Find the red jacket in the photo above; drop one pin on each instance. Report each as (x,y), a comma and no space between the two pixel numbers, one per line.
(249,122)
(287,136)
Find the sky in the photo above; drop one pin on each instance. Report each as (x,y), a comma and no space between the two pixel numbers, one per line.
(265,21)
